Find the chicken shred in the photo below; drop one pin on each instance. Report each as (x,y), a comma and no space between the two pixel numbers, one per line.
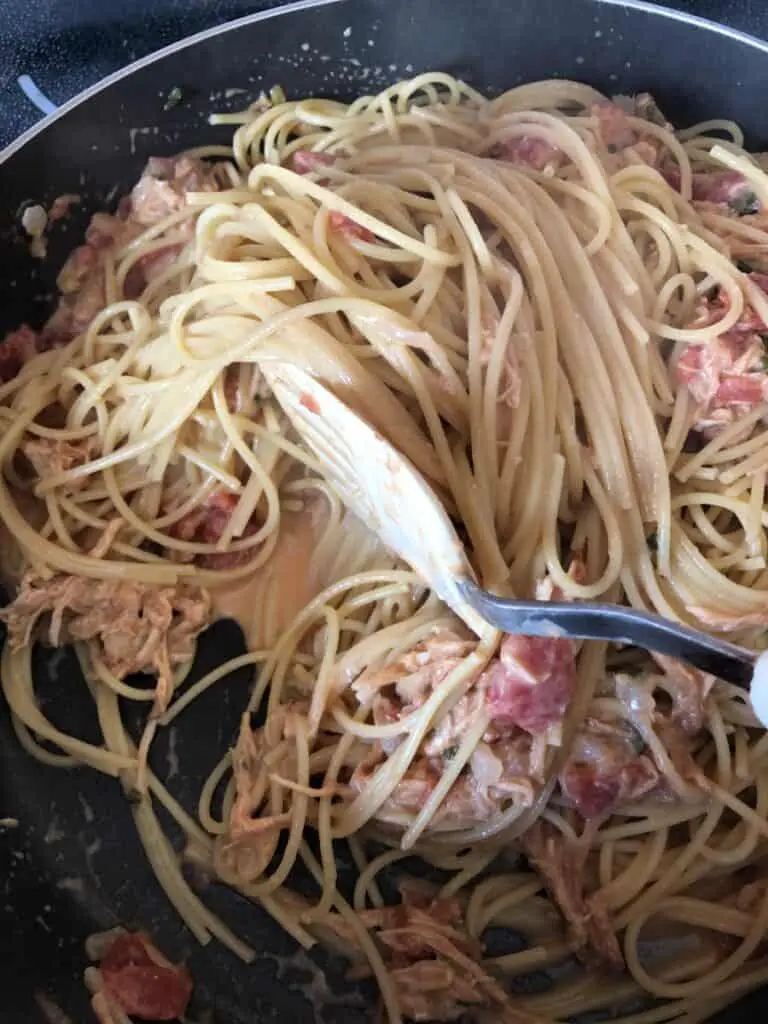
(162,188)
(561,867)
(50,456)
(136,627)
(250,841)
(432,961)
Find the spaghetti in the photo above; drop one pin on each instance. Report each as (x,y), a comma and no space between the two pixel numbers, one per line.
(557,307)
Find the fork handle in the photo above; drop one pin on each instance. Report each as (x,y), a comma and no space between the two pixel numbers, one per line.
(588,620)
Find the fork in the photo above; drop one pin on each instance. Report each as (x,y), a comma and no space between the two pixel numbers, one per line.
(388,493)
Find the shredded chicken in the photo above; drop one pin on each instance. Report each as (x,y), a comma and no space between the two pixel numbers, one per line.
(162,188)
(524,690)
(432,961)
(50,457)
(560,864)
(496,773)
(688,689)
(728,376)
(250,841)
(136,627)
(667,743)
(527,686)
(416,673)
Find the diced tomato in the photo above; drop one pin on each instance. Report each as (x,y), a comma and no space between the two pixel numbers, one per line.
(606,768)
(613,127)
(16,349)
(305,161)
(348,227)
(729,371)
(143,985)
(591,792)
(528,151)
(595,792)
(723,188)
(163,186)
(744,390)
(206,525)
(219,508)
(532,683)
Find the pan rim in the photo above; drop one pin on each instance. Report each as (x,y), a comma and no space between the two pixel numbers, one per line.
(150,58)
(643,6)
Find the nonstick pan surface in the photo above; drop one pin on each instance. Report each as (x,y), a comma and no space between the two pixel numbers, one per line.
(74,864)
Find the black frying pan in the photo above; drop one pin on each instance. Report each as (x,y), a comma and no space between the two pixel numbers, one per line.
(75,865)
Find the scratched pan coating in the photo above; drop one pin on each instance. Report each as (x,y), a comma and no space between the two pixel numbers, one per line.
(75,865)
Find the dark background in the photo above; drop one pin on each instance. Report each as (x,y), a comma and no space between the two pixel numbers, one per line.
(66,45)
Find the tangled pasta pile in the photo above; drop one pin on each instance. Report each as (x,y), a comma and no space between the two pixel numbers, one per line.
(556,306)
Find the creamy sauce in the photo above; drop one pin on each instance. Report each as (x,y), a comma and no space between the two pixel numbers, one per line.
(268,602)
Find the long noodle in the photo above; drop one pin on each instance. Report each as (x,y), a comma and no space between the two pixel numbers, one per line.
(556,307)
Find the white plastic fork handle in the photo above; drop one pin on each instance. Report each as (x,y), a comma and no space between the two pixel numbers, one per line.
(758,689)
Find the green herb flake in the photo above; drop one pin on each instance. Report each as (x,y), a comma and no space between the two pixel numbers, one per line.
(652,540)
(745,203)
(744,267)
(173,99)
(450,752)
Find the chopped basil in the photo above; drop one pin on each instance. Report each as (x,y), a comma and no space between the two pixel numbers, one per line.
(745,203)
(744,267)
(652,540)
(612,147)
(173,99)
(450,752)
